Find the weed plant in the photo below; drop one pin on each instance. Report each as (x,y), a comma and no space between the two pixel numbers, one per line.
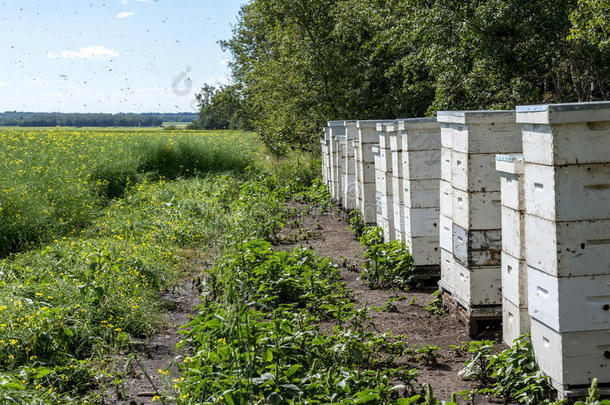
(386,264)
(512,374)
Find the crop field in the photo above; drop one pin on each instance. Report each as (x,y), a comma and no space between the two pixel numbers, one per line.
(92,223)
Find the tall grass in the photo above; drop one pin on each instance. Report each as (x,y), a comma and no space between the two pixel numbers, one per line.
(55,181)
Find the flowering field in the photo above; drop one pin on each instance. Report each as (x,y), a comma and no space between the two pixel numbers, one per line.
(92,226)
(53,182)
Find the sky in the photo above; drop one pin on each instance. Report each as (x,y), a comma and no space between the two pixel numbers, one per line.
(112,55)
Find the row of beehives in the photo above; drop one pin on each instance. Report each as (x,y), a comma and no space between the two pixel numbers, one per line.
(524,237)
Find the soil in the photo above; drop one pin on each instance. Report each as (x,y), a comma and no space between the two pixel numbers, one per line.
(143,380)
(325,232)
(330,237)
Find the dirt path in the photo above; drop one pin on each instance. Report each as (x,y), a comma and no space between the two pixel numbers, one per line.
(330,237)
(143,380)
(327,234)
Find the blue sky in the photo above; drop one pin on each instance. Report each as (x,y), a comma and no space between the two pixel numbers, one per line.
(111,56)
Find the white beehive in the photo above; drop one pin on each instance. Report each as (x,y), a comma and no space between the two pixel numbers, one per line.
(476,210)
(567,249)
(515,317)
(474,172)
(470,205)
(446,164)
(383,174)
(571,358)
(569,304)
(420,193)
(568,193)
(514,281)
(339,169)
(515,321)
(358,175)
(447,281)
(420,170)
(336,136)
(446,198)
(324,164)
(564,134)
(349,180)
(367,136)
(397,180)
(478,285)
(446,233)
(567,239)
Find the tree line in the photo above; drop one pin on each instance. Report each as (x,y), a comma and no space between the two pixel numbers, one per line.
(36,119)
(297,64)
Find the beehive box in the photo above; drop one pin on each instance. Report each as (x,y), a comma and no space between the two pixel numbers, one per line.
(567,239)
(349,180)
(515,316)
(477,286)
(339,168)
(367,136)
(358,175)
(383,174)
(515,321)
(569,304)
(567,249)
(571,359)
(470,201)
(447,281)
(477,248)
(336,135)
(397,180)
(420,166)
(324,164)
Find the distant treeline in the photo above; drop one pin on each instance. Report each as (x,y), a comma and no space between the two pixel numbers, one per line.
(35,119)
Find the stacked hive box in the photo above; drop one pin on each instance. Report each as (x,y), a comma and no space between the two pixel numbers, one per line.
(515,318)
(567,235)
(448,277)
(349,179)
(383,183)
(397,180)
(476,137)
(367,137)
(337,151)
(325,156)
(419,141)
(358,174)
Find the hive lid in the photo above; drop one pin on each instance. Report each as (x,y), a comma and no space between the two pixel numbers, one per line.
(563,113)
(512,163)
(476,117)
(413,123)
(370,124)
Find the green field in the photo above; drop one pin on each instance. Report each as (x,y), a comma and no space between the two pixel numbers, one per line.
(93,225)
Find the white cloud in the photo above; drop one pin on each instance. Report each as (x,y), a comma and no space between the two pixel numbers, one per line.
(2,84)
(124,1)
(225,61)
(52,55)
(89,52)
(124,14)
